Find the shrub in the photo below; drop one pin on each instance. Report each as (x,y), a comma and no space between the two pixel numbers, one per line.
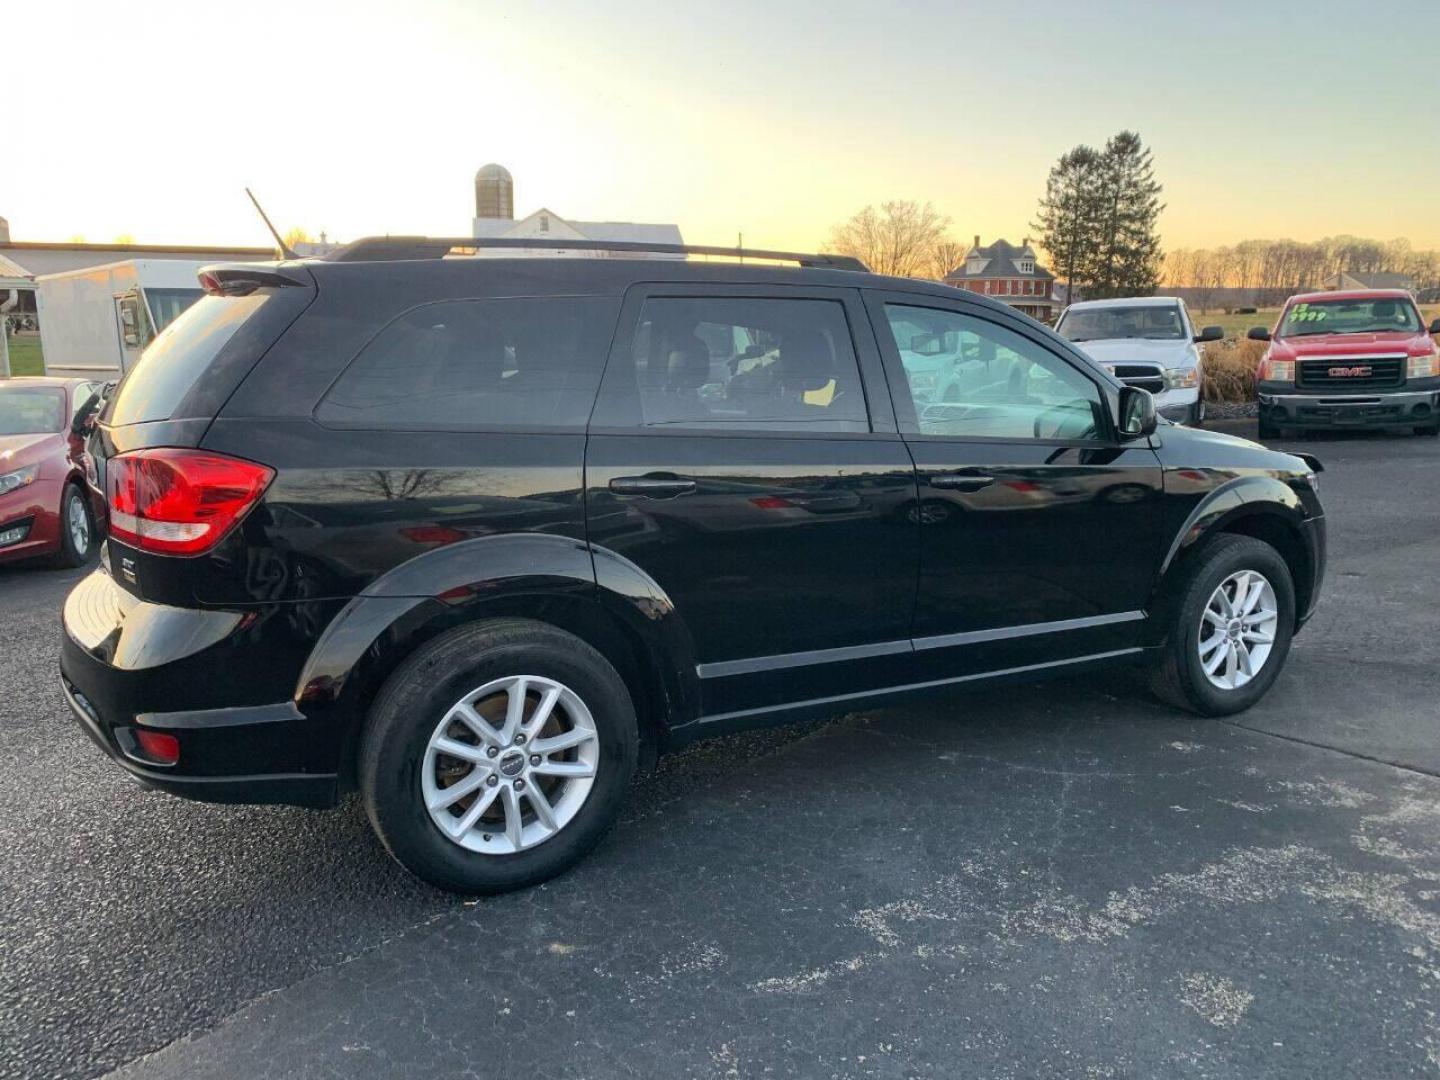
(1229,370)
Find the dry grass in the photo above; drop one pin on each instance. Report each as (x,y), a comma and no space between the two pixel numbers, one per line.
(1230,370)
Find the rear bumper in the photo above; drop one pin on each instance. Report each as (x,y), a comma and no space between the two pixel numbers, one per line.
(1408,407)
(128,666)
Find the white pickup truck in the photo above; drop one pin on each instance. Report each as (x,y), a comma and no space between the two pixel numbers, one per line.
(1145,341)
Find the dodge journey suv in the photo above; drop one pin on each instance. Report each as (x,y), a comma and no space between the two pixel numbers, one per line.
(479,536)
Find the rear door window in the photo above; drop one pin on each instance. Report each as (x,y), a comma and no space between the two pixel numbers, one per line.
(529,362)
(175,361)
(741,363)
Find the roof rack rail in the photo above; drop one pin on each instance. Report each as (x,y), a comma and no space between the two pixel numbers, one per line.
(391,248)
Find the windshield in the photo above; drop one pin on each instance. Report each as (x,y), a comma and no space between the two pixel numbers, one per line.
(1152,322)
(1349,317)
(32,410)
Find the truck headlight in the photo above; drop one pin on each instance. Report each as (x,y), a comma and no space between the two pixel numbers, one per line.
(1182,378)
(13,481)
(1421,367)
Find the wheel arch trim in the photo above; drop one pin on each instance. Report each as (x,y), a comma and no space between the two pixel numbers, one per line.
(599,596)
(1244,496)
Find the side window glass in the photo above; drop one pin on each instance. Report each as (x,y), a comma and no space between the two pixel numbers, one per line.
(761,364)
(972,379)
(475,364)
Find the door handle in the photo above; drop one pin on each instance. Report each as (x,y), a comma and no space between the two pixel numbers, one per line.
(961,481)
(652,487)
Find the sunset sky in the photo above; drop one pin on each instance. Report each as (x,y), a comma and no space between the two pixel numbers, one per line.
(778,118)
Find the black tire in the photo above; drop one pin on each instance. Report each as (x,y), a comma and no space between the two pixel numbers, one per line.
(422,691)
(1268,430)
(1177,676)
(70,555)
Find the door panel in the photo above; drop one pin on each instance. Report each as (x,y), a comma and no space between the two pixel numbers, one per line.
(1040,532)
(724,461)
(790,546)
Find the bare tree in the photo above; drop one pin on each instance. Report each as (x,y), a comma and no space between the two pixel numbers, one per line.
(297,234)
(946,255)
(899,239)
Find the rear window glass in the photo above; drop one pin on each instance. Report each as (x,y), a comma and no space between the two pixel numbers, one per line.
(176,360)
(471,364)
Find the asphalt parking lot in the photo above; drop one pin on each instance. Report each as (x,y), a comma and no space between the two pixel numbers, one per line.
(1060,880)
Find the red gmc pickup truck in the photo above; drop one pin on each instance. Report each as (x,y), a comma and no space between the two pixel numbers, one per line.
(1349,359)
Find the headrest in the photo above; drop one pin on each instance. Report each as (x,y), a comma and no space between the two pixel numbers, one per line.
(689,364)
(806,362)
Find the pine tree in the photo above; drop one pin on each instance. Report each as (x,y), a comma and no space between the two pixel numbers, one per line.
(1068,219)
(1127,253)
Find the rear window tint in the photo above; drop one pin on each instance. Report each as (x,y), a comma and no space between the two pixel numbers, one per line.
(473,364)
(176,360)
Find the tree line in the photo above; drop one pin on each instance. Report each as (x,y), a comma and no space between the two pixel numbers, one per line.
(1097,222)
(1266,272)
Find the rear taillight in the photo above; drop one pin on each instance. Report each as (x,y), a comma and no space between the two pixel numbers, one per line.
(180,502)
(1276,370)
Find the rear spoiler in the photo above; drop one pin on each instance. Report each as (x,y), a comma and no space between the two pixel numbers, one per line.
(242,279)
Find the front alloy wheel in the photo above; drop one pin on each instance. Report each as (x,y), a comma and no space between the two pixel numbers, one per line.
(1230,614)
(510,764)
(1237,630)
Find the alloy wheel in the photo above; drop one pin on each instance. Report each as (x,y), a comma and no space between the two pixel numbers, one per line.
(78,523)
(510,764)
(1237,629)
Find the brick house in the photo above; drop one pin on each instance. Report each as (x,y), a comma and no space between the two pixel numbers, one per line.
(1011,275)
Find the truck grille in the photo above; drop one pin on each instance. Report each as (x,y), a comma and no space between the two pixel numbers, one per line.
(1146,376)
(1352,372)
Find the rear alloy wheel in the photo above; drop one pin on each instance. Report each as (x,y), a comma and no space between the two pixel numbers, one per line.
(1232,614)
(510,764)
(497,755)
(76,532)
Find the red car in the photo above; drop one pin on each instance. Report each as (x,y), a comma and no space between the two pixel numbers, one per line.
(1350,359)
(49,501)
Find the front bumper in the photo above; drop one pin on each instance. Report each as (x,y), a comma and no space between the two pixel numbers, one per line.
(36,508)
(1411,406)
(221,682)
(1181,406)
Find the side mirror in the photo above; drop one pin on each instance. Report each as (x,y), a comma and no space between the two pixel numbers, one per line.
(1212,333)
(1137,413)
(1258,333)
(1435,327)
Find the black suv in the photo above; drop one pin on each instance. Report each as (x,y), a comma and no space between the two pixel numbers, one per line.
(479,535)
